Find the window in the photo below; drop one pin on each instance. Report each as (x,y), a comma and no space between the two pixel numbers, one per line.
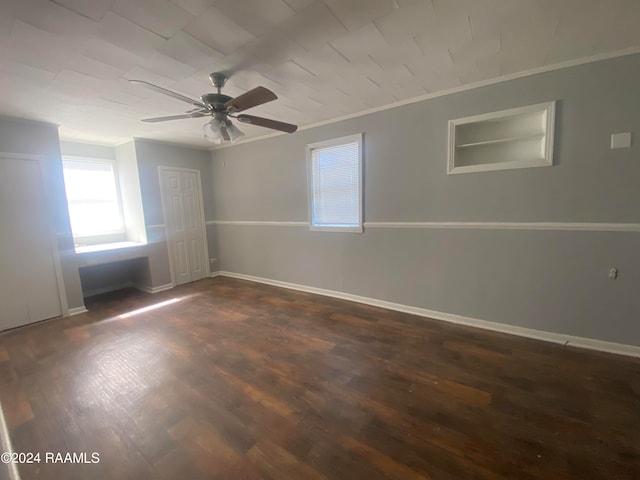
(335,184)
(94,202)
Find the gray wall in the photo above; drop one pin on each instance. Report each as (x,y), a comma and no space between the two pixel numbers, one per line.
(547,280)
(129,179)
(78,149)
(26,137)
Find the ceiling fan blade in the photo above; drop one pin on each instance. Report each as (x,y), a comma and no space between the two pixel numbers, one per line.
(169,93)
(267,122)
(174,117)
(252,98)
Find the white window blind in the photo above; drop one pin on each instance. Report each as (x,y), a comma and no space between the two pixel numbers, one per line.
(336,193)
(93,200)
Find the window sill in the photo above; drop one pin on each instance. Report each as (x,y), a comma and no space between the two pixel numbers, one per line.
(334,228)
(107,246)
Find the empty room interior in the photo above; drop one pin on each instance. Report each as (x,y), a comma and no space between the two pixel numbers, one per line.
(320,239)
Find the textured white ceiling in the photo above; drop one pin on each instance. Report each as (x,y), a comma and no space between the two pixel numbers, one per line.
(68,61)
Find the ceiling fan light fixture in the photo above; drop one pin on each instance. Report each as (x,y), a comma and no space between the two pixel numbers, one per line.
(234,132)
(212,131)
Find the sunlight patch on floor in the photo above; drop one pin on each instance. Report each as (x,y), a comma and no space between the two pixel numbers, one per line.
(150,308)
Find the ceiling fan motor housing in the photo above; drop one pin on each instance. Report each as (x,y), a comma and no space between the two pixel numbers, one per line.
(215,100)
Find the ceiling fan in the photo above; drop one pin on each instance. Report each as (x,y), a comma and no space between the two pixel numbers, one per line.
(222,107)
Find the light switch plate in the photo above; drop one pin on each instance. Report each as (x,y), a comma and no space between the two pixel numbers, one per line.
(620,140)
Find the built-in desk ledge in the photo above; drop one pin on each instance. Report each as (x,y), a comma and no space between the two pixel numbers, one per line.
(109,253)
(107,246)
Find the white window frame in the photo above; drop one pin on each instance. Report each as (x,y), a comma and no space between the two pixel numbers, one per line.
(107,238)
(545,134)
(335,142)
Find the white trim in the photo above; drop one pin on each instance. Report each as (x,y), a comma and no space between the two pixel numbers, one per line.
(107,247)
(163,142)
(481,117)
(492,167)
(553,337)
(21,156)
(550,226)
(357,138)
(158,289)
(336,229)
(57,263)
(451,91)
(258,223)
(53,237)
(77,310)
(215,274)
(120,286)
(160,225)
(547,108)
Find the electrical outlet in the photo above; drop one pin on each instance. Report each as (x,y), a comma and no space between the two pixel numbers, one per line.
(613,272)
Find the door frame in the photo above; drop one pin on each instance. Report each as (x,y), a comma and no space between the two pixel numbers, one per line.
(161,170)
(53,238)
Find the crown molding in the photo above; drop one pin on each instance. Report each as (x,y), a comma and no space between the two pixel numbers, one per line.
(171,144)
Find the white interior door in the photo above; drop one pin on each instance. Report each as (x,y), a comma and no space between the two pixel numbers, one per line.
(184,219)
(29,289)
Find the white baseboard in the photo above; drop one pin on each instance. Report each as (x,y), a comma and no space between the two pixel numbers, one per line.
(113,288)
(120,286)
(158,289)
(215,274)
(77,310)
(561,338)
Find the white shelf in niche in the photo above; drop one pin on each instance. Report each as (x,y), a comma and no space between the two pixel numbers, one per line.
(515,138)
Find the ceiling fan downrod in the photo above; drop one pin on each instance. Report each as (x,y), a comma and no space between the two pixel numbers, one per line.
(218,79)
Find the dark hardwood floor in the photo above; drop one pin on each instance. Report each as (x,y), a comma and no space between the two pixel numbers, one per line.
(227,379)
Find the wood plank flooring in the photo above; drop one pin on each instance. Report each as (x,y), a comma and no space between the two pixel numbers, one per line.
(228,379)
